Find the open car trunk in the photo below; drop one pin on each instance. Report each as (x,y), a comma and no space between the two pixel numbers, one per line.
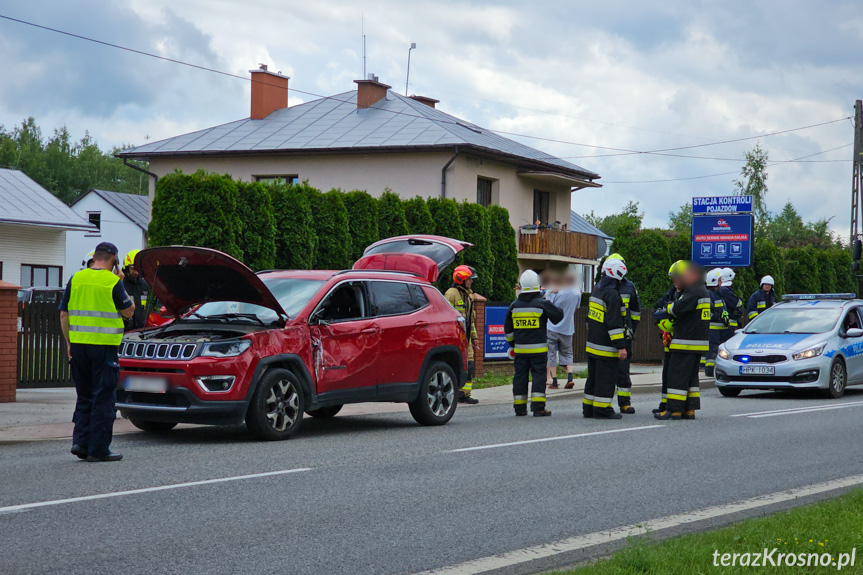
(421,255)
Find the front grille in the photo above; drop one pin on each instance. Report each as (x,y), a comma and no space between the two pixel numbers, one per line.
(761,358)
(154,370)
(142,350)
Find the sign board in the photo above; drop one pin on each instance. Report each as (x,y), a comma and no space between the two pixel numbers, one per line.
(721,204)
(496,346)
(722,240)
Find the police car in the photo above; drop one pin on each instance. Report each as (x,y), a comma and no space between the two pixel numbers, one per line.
(806,341)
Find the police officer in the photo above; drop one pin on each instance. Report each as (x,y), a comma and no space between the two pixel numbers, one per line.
(460,296)
(718,319)
(666,324)
(631,311)
(137,289)
(733,304)
(606,342)
(525,329)
(91,317)
(761,300)
(691,314)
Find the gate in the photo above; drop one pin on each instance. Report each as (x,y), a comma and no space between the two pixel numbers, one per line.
(42,359)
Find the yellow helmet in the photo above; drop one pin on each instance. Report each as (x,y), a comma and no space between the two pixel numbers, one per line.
(677,268)
(616,256)
(85,263)
(666,325)
(130,258)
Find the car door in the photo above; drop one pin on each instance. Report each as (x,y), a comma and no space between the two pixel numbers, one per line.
(852,347)
(346,343)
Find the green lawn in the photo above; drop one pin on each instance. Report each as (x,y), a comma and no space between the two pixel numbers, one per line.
(498,380)
(834,527)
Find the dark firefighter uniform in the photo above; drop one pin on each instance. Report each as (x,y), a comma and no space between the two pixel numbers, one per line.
(606,336)
(666,325)
(525,330)
(137,290)
(631,311)
(734,307)
(461,298)
(689,341)
(759,302)
(718,324)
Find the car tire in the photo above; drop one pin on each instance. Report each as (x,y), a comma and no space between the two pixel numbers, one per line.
(152,426)
(277,406)
(325,412)
(838,379)
(729,391)
(438,396)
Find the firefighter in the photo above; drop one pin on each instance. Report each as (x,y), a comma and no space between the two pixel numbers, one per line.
(691,314)
(525,328)
(137,289)
(460,296)
(718,319)
(88,261)
(666,324)
(606,342)
(631,311)
(733,304)
(761,300)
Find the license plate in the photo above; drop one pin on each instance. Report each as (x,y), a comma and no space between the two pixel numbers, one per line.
(757,370)
(146,384)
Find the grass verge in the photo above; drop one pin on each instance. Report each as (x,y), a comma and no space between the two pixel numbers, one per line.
(498,380)
(831,527)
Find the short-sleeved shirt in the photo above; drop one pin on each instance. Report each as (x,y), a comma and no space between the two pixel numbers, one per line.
(568,301)
(121,298)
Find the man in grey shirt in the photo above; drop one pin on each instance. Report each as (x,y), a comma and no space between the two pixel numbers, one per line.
(565,294)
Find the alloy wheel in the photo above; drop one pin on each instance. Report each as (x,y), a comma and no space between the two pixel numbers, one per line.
(441,393)
(282,405)
(837,377)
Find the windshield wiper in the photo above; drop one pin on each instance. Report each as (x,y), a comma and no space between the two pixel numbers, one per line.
(227,316)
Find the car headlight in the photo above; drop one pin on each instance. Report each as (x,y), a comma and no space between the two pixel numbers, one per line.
(226,348)
(811,352)
(723,353)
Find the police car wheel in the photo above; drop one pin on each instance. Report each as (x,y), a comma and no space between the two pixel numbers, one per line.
(729,391)
(438,396)
(277,406)
(152,426)
(325,412)
(838,379)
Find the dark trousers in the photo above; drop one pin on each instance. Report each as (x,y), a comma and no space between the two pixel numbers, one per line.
(95,371)
(666,358)
(710,357)
(527,365)
(602,376)
(683,393)
(624,383)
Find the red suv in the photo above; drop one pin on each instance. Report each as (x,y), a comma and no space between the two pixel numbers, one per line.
(266,348)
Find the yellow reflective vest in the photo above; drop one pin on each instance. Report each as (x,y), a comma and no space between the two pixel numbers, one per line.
(93,316)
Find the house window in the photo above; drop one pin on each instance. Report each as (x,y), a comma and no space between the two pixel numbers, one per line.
(540,207)
(1,271)
(95,219)
(40,276)
(289,179)
(483,191)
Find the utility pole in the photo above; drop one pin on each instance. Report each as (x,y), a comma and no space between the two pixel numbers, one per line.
(857,185)
(408,79)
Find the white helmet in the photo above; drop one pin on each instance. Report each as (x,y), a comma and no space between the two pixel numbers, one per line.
(767,280)
(713,277)
(529,281)
(727,276)
(614,268)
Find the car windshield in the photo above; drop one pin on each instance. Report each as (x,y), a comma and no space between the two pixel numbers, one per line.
(795,320)
(292,294)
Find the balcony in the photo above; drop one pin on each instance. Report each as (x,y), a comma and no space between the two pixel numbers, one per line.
(555,244)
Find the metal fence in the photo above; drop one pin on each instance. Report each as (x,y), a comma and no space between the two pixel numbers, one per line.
(42,359)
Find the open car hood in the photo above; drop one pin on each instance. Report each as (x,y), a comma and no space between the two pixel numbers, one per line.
(185,276)
(440,250)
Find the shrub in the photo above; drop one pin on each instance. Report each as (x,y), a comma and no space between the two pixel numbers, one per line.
(846,279)
(362,221)
(447,223)
(768,261)
(680,246)
(505,252)
(648,259)
(802,271)
(475,229)
(295,237)
(333,249)
(391,216)
(257,239)
(418,216)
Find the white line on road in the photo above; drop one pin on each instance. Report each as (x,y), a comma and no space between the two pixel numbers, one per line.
(796,410)
(24,507)
(557,438)
(580,542)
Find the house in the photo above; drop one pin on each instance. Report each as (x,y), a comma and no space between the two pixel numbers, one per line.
(33,226)
(581,226)
(373,138)
(121,219)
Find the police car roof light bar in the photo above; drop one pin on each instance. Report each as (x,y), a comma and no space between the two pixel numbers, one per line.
(812,296)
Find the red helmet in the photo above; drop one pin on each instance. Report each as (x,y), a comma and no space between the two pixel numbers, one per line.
(462,273)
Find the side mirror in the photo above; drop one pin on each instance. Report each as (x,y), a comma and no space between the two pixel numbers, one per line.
(854,332)
(317,318)
(738,330)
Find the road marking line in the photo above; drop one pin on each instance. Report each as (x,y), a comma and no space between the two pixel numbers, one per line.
(580,542)
(25,506)
(793,410)
(558,438)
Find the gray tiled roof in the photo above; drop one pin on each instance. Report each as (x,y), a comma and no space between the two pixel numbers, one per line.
(134,206)
(581,225)
(336,123)
(23,201)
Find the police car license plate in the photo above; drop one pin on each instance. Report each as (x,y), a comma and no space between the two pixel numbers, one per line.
(146,384)
(757,370)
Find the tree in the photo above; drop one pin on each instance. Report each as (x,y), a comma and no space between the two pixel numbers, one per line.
(846,279)
(680,246)
(505,252)
(768,261)
(802,273)
(476,230)
(333,249)
(611,224)
(419,216)
(648,259)
(391,215)
(448,224)
(258,231)
(786,229)
(295,237)
(197,209)
(753,182)
(681,220)
(362,221)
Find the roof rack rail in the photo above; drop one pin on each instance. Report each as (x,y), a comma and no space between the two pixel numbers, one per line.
(374,271)
(818,296)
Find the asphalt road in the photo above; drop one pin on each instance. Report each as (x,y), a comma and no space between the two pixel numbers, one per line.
(377,494)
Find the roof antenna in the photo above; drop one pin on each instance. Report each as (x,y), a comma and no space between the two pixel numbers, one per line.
(408,78)
(363,28)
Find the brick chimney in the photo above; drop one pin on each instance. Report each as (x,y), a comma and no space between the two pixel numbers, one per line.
(425,100)
(370,91)
(269,92)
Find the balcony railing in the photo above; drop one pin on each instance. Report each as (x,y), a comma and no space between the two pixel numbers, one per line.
(551,242)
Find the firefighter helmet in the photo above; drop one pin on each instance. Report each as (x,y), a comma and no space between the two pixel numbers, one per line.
(677,268)
(130,258)
(85,263)
(767,280)
(462,273)
(713,277)
(614,268)
(529,281)
(616,256)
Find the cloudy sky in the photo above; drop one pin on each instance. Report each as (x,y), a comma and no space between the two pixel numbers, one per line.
(618,74)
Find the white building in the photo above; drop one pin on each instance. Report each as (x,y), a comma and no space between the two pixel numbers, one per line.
(121,219)
(33,226)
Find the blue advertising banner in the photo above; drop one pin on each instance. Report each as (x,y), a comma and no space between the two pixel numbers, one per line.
(495,339)
(722,240)
(721,204)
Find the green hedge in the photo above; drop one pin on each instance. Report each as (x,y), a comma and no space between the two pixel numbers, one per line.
(362,221)
(447,223)
(505,251)
(476,230)
(257,239)
(647,261)
(391,216)
(334,247)
(295,237)
(419,216)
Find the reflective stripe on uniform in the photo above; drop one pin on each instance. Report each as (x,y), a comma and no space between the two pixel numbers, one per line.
(762,304)
(624,392)
(752,314)
(597,301)
(519,400)
(526,312)
(509,336)
(693,393)
(636,315)
(531,347)
(601,350)
(587,399)
(668,308)
(89,313)
(678,394)
(95,329)
(717,325)
(601,402)
(537,397)
(614,334)
(703,303)
(689,344)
